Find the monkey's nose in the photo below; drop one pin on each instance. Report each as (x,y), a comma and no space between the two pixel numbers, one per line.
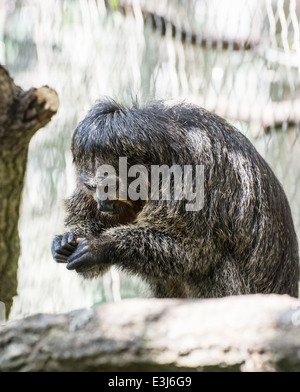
(105,205)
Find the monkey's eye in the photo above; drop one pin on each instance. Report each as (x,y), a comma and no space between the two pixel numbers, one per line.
(90,187)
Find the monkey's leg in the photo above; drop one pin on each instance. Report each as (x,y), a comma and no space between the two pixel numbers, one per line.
(226,279)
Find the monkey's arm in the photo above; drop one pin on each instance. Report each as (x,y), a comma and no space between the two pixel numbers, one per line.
(140,250)
(83,220)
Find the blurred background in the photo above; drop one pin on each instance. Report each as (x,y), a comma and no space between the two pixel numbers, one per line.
(237,58)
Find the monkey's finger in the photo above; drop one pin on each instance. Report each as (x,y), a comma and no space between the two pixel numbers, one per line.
(66,246)
(80,259)
(65,251)
(72,238)
(83,250)
(79,263)
(60,258)
(56,245)
(64,239)
(68,240)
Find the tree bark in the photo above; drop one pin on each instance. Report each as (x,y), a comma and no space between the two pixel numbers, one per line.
(22,113)
(242,333)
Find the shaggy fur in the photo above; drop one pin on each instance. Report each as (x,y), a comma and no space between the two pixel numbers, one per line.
(242,241)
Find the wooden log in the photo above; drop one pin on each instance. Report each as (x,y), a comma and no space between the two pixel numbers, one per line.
(242,333)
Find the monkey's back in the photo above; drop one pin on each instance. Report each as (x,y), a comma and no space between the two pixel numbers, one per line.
(246,211)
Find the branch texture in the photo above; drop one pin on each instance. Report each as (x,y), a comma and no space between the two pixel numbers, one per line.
(243,333)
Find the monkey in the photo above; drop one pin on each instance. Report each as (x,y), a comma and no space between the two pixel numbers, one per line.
(239,240)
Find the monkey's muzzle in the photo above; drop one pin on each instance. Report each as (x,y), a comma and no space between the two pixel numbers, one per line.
(112,205)
(106,205)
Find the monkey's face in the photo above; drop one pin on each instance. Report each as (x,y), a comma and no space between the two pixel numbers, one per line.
(105,189)
(102,182)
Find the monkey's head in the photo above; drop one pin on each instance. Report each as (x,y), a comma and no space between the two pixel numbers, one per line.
(141,137)
(152,135)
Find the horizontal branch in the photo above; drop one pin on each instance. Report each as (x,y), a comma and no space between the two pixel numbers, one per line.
(243,333)
(165,27)
(260,117)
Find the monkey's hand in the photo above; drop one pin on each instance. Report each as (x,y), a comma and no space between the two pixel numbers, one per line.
(89,254)
(63,246)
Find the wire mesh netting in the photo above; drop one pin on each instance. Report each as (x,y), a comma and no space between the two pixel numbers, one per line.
(237,58)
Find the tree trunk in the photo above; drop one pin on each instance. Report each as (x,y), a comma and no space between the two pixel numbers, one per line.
(22,113)
(242,333)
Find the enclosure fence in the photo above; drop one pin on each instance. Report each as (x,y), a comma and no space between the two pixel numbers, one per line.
(237,58)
